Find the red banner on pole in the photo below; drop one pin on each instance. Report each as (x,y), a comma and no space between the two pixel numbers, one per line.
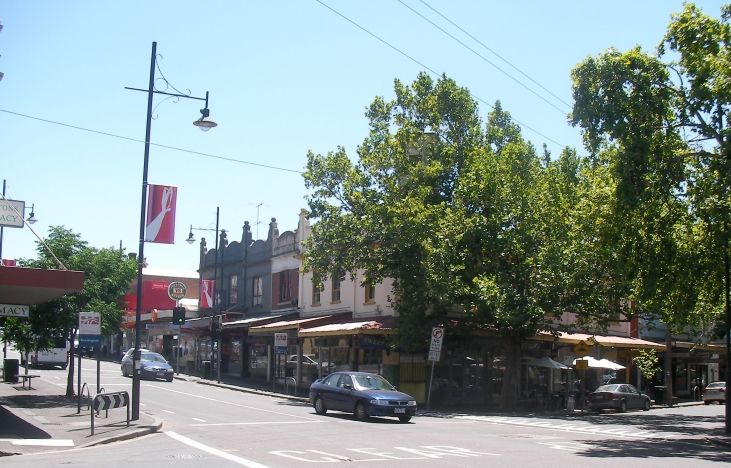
(206,299)
(160,225)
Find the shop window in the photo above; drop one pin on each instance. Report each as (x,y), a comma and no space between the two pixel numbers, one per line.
(337,280)
(316,292)
(233,290)
(256,291)
(285,287)
(370,293)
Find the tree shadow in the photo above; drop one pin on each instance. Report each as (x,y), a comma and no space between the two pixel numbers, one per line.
(679,448)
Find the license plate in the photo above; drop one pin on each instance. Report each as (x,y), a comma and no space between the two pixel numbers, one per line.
(400,410)
(161,374)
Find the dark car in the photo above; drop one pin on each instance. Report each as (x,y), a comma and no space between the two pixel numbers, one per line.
(620,397)
(715,391)
(152,365)
(362,394)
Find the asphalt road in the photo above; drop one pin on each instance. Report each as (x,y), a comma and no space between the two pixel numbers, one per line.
(207,425)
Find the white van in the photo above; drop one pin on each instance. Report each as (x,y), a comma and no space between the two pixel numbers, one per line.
(57,355)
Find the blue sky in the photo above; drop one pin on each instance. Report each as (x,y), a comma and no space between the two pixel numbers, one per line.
(284,77)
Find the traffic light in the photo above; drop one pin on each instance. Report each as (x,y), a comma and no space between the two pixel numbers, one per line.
(178,315)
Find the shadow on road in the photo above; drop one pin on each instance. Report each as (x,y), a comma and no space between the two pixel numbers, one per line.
(687,449)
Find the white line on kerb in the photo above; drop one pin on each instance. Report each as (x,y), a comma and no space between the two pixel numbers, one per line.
(213,451)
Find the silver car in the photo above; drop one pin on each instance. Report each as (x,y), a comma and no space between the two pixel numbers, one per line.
(715,391)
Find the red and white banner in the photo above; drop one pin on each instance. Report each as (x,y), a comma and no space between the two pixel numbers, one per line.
(160,225)
(206,300)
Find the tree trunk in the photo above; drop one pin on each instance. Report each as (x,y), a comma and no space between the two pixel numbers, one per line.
(668,367)
(511,380)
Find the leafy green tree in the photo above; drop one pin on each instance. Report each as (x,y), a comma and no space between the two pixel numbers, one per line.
(661,129)
(467,219)
(108,274)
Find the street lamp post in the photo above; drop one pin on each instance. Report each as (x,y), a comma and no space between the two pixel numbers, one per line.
(205,124)
(216,288)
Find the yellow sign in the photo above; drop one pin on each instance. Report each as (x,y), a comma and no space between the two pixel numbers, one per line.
(581,348)
(581,364)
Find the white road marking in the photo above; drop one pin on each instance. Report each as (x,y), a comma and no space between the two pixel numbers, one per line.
(199,420)
(41,442)
(169,412)
(213,451)
(583,428)
(255,408)
(258,423)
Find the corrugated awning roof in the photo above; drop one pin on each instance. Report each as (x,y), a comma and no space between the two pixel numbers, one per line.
(248,322)
(603,340)
(371,327)
(291,324)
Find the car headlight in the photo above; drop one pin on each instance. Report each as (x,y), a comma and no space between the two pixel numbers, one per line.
(379,402)
(411,403)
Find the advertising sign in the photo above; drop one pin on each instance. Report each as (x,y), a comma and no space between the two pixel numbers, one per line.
(280,343)
(177,290)
(160,224)
(435,347)
(11,213)
(90,323)
(11,310)
(206,299)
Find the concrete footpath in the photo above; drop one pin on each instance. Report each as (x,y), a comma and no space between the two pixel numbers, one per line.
(42,419)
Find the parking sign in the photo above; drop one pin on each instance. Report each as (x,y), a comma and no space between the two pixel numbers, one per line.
(435,348)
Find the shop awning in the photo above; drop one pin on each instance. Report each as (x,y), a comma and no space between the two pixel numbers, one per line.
(31,286)
(372,327)
(297,324)
(251,321)
(602,340)
(716,348)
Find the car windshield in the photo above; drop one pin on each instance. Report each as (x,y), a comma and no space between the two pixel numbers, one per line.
(716,385)
(372,382)
(608,388)
(154,357)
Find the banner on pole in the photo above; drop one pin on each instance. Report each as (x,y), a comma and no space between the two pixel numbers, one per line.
(160,224)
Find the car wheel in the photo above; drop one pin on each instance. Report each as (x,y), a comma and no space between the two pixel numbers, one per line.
(320,406)
(623,406)
(707,402)
(361,412)
(170,379)
(404,418)
(646,406)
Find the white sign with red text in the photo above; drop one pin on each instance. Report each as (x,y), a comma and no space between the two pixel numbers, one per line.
(435,346)
(90,323)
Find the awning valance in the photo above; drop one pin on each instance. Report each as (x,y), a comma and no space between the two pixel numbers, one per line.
(372,327)
(602,340)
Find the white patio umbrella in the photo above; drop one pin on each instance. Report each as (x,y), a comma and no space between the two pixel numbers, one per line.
(545,361)
(599,363)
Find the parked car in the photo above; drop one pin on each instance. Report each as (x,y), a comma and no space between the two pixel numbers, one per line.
(361,393)
(715,391)
(620,397)
(152,365)
(309,366)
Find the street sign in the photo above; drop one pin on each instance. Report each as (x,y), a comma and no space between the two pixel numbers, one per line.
(435,347)
(89,341)
(582,364)
(280,343)
(177,290)
(12,310)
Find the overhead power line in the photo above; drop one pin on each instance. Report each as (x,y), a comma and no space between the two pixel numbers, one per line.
(485,59)
(496,54)
(159,145)
(429,69)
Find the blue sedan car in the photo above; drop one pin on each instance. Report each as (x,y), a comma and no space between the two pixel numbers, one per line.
(362,394)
